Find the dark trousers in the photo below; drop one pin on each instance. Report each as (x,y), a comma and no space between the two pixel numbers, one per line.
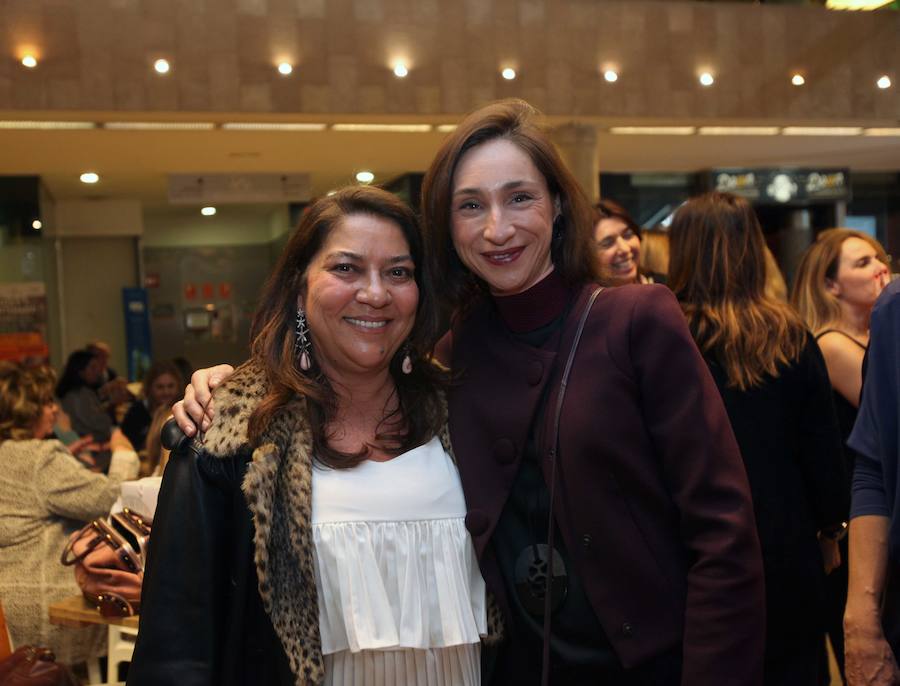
(502,668)
(799,665)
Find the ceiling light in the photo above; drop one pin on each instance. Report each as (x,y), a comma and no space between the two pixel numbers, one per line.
(272,126)
(403,128)
(330,193)
(881,132)
(46,125)
(207,211)
(798,80)
(821,130)
(706,79)
(739,130)
(29,61)
(856,4)
(400,70)
(445,128)
(884,82)
(508,74)
(365,177)
(89,177)
(161,66)
(653,130)
(610,76)
(285,69)
(36,225)
(159,125)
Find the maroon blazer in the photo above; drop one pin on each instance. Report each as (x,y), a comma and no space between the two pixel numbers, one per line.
(652,497)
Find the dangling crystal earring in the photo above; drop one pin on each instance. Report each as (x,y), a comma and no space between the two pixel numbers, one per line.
(302,344)
(406,365)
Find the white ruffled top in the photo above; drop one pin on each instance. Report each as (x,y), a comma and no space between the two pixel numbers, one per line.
(395,565)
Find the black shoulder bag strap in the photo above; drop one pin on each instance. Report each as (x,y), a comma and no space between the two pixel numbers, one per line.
(554,449)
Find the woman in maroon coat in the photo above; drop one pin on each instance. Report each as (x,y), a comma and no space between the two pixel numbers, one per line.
(658,568)
(656,572)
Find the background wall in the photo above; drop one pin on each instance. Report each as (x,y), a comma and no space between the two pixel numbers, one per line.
(97,56)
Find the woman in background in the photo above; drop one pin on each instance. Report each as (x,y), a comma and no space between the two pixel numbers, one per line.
(775,386)
(162,387)
(617,238)
(77,394)
(46,495)
(838,281)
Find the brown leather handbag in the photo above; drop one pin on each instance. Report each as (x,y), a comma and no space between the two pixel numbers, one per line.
(30,666)
(109,558)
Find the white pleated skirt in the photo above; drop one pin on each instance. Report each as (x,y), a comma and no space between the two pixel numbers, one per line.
(453,666)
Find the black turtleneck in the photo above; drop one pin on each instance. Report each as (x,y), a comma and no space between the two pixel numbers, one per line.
(580,651)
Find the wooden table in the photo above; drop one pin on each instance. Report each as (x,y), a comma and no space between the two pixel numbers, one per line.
(78,612)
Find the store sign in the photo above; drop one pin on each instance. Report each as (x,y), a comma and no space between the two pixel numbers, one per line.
(784,186)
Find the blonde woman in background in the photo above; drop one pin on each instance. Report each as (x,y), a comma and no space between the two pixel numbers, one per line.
(839,278)
(654,257)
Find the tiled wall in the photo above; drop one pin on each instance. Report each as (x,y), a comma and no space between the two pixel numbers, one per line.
(97,55)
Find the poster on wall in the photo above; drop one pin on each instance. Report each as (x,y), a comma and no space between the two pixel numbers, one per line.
(23,322)
(137,332)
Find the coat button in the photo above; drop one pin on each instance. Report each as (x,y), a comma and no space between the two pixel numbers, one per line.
(627,629)
(586,541)
(534,373)
(504,451)
(477,522)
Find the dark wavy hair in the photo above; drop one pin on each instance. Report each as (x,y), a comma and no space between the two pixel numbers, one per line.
(516,121)
(416,418)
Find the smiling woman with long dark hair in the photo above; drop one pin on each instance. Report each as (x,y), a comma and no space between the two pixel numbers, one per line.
(315,533)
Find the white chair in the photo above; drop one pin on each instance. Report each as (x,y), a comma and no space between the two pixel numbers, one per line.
(120,648)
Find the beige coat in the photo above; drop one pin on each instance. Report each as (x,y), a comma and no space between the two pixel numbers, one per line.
(45,495)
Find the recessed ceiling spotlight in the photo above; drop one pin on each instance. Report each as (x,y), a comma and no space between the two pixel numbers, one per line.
(707,79)
(36,225)
(207,211)
(29,61)
(798,80)
(508,74)
(884,82)
(89,177)
(285,68)
(365,177)
(161,66)
(611,76)
(400,70)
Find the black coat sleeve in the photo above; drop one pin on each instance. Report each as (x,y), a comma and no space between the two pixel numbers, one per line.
(186,582)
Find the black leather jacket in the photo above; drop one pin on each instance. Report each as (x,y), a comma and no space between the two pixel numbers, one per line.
(202,619)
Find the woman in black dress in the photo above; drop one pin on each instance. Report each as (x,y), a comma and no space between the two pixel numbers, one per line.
(773,380)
